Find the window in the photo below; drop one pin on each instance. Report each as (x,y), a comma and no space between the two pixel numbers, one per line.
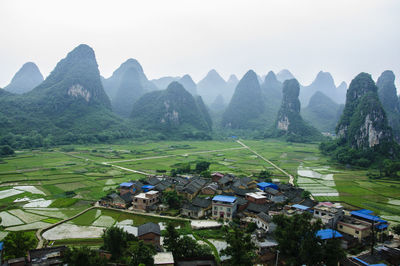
(340,226)
(215,213)
(357,232)
(229,209)
(316,212)
(215,208)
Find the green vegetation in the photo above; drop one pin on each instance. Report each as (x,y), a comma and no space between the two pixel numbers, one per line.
(322,112)
(17,244)
(83,256)
(246,106)
(185,246)
(63,202)
(388,96)
(362,142)
(298,243)
(289,124)
(179,118)
(240,247)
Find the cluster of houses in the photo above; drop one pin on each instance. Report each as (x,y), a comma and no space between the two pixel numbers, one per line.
(224,196)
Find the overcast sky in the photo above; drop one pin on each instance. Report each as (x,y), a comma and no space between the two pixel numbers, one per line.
(175,37)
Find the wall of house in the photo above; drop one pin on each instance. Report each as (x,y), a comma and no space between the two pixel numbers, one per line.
(353,231)
(151,238)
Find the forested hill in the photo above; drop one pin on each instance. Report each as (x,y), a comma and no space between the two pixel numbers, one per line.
(70,105)
(173,113)
(289,122)
(246,106)
(388,96)
(364,136)
(322,112)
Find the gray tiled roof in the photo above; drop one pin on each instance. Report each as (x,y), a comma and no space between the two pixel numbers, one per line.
(149,228)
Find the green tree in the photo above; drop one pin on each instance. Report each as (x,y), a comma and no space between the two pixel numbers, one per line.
(141,252)
(6,150)
(17,244)
(202,166)
(396,229)
(297,241)
(172,199)
(116,241)
(183,247)
(83,256)
(240,247)
(333,252)
(265,174)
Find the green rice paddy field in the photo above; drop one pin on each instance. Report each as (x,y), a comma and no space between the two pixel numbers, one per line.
(41,187)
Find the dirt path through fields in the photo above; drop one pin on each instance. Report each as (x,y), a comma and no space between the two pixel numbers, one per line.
(291,178)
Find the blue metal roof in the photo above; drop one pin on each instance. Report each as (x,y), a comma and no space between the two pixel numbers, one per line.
(382,226)
(1,246)
(328,234)
(365,211)
(224,198)
(148,186)
(300,207)
(126,184)
(365,214)
(266,184)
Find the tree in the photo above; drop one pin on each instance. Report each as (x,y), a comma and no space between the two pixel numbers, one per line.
(183,247)
(265,174)
(172,199)
(141,252)
(298,242)
(6,150)
(202,166)
(17,244)
(240,247)
(83,256)
(396,229)
(333,252)
(116,241)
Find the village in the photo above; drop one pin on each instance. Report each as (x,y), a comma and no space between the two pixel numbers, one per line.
(225,197)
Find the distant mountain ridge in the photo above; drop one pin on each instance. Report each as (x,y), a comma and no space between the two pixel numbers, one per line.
(27,78)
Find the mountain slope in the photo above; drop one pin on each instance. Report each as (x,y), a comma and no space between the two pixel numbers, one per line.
(289,122)
(172,112)
(113,83)
(323,83)
(246,104)
(188,83)
(211,86)
(362,93)
(69,105)
(388,96)
(284,74)
(27,78)
(322,112)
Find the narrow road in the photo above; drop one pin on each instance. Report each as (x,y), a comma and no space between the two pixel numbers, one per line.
(127,169)
(42,230)
(172,155)
(291,178)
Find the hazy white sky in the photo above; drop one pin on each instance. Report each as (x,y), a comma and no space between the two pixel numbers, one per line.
(175,37)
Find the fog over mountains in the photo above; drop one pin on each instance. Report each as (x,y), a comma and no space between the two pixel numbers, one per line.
(75,99)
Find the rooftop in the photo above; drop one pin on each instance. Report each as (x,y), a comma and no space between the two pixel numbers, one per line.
(149,228)
(257,195)
(328,234)
(163,258)
(224,198)
(300,207)
(126,184)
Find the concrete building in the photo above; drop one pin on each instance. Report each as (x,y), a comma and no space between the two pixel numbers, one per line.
(354,227)
(224,207)
(258,197)
(144,200)
(329,213)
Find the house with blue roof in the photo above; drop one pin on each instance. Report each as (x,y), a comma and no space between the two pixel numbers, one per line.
(264,185)
(224,207)
(326,234)
(359,224)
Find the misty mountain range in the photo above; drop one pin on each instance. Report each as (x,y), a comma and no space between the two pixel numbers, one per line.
(75,99)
